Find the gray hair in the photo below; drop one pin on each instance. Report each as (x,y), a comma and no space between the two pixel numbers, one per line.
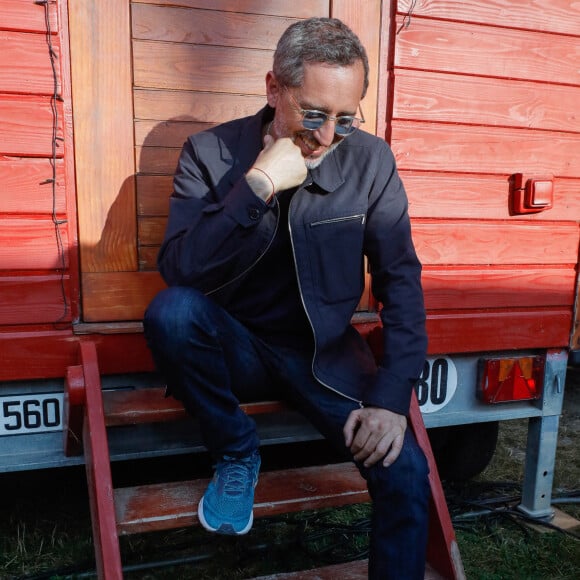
(317,40)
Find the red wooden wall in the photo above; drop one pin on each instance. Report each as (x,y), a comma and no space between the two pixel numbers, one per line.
(38,272)
(482,90)
(37,230)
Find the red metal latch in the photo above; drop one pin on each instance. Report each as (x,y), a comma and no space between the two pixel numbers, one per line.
(531,195)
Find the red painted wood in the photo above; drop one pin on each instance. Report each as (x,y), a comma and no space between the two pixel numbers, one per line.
(494,242)
(53,351)
(31,244)
(24,190)
(549,15)
(34,299)
(462,47)
(27,16)
(25,63)
(442,549)
(73,411)
(457,195)
(98,468)
(27,123)
(496,150)
(174,504)
(452,98)
(456,332)
(454,288)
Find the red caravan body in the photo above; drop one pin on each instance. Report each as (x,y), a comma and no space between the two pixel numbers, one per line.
(478,101)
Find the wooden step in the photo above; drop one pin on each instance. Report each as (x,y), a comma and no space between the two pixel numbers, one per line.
(150,405)
(357,570)
(170,505)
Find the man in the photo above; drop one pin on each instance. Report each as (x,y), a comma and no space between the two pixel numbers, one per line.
(270,220)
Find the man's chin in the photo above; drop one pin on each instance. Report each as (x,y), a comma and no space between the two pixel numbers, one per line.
(312,162)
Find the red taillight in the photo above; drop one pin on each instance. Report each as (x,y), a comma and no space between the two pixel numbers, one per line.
(511,379)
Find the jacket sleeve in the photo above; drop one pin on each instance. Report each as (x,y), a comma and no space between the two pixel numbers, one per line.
(217,227)
(396,284)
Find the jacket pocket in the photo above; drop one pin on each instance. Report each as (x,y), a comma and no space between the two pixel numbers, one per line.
(335,245)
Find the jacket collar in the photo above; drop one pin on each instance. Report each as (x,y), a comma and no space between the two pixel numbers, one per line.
(327,176)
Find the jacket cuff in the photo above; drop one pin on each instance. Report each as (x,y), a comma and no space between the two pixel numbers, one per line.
(244,206)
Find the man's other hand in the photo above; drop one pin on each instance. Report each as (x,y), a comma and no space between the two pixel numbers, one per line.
(373,434)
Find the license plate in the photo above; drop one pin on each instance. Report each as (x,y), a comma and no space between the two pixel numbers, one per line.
(437,384)
(33,413)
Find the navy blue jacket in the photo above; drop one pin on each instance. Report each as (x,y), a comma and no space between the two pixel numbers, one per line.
(352,205)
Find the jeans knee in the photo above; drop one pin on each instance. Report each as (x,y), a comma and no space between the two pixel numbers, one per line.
(172,315)
(407,476)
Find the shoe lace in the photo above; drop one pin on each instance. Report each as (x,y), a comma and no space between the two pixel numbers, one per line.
(236,476)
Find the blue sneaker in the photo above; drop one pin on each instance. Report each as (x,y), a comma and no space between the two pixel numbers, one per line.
(226,507)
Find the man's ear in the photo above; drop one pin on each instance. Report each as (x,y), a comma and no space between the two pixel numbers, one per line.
(273,89)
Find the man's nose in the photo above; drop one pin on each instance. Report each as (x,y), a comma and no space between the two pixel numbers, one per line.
(325,134)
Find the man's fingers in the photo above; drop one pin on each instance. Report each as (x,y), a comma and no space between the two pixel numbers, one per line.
(350,427)
(394,451)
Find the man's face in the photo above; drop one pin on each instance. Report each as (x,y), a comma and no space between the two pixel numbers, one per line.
(335,90)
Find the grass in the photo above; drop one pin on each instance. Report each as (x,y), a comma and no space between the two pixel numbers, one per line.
(45,526)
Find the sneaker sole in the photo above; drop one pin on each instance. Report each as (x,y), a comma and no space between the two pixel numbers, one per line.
(225,529)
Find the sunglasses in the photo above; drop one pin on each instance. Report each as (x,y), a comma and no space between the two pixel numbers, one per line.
(312,119)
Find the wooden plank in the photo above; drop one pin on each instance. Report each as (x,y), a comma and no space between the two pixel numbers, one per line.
(473,149)
(25,63)
(54,350)
(118,295)
(560,16)
(194,106)
(33,299)
(27,125)
(494,242)
(150,405)
(31,244)
(166,133)
(454,288)
(455,332)
(174,504)
(153,193)
(459,47)
(151,230)
(98,469)
(366,24)
(452,98)
(297,9)
(24,187)
(103,124)
(356,570)
(51,350)
(27,16)
(211,27)
(452,195)
(442,548)
(148,257)
(157,160)
(189,67)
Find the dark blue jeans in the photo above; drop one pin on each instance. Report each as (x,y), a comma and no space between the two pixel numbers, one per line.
(212,362)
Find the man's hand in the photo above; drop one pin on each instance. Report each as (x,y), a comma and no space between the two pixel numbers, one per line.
(372,434)
(282,162)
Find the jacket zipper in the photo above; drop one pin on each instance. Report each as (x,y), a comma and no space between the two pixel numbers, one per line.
(253,263)
(360,404)
(347,218)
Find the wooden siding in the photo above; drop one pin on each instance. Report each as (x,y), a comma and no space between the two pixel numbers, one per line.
(38,274)
(483,90)
(192,65)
